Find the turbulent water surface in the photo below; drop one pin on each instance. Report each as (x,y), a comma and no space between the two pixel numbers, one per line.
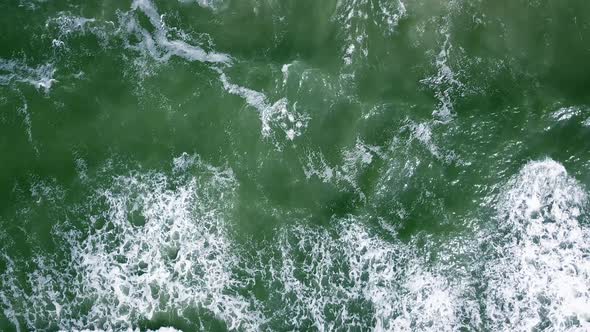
(307,165)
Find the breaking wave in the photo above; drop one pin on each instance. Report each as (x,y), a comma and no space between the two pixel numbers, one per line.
(159,246)
(539,277)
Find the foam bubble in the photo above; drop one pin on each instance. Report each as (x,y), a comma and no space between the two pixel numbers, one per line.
(354,161)
(165,329)
(24,111)
(46,191)
(423,133)
(68,25)
(566,113)
(444,82)
(539,277)
(352,278)
(157,45)
(210,4)
(355,17)
(160,245)
(279,115)
(40,77)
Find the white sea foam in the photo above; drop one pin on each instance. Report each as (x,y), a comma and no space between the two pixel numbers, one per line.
(68,25)
(355,17)
(159,246)
(539,277)
(352,278)
(157,45)
(423,133)
(31,4)
(564,114)
(444,82)
(24,112)
(279,115)
(46,191)
(81,169)
(165,329)
(210,4)
(13,72)
(285,71)
(354,161)
(40,77)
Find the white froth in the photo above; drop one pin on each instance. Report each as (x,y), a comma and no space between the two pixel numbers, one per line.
(165,329)
(423,133)
(353,15)
(160,246)
(357,280)
(67,25)
(279,115)
(566,113)
(157,45)
(81,169)
(13,72)
(444,82)
(354,161)
(7,280)
(46,191)
(213,5)
(24,112)
(285,71)
(540,277)
(40,77)
(275,116)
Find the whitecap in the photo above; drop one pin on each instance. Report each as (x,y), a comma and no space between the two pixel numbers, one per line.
(351,278)
(160,245)
(539,276)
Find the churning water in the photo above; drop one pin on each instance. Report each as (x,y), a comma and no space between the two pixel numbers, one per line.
(294,165)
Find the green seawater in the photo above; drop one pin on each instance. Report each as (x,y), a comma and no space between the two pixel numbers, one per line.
(294,165)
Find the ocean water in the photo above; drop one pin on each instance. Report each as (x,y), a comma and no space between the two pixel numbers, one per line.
(294,165)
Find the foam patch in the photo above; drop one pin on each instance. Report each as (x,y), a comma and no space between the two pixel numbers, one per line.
(539,277)
(40,77)
(158,245)
(353,16)
(351,278)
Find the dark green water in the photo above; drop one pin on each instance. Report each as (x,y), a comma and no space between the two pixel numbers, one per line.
(268,165)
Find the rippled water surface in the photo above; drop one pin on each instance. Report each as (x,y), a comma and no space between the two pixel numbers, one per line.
(294,165)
